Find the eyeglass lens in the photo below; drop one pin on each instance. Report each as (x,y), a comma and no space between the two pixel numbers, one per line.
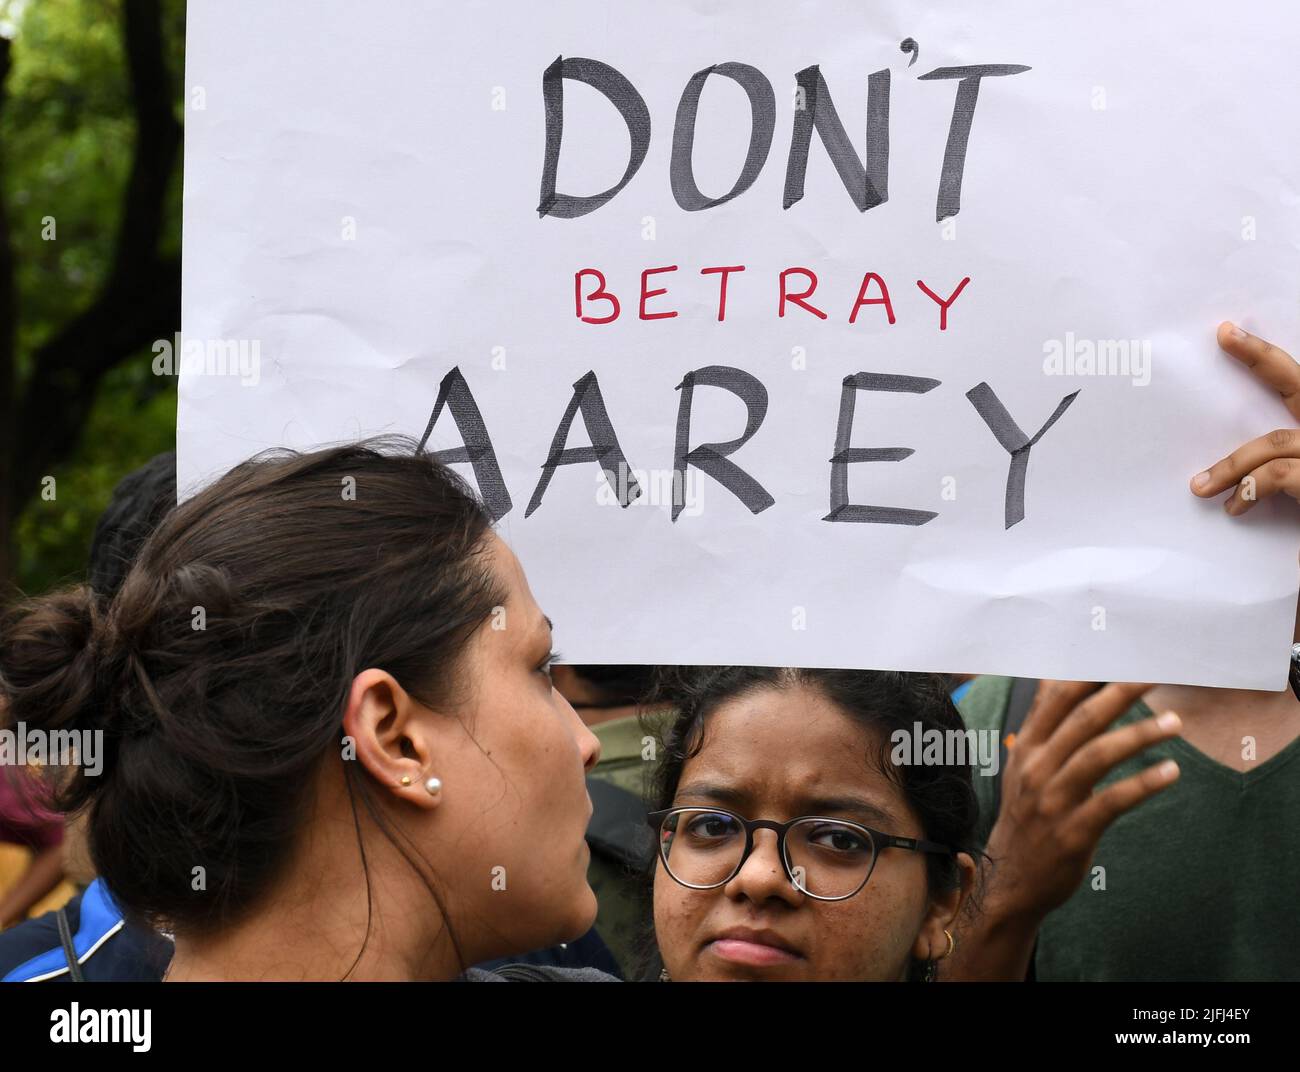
(827,858)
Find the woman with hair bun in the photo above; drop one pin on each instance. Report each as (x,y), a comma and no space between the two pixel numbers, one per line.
(332,748)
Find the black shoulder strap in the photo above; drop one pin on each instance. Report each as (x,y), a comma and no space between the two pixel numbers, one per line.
(1023,691)
(69,950)
(618,827)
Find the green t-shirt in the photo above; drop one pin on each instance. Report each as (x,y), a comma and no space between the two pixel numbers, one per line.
(1200,882)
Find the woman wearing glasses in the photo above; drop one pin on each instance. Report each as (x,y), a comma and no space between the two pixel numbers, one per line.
(791,845)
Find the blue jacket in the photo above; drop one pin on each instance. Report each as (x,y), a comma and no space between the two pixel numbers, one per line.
(107,947)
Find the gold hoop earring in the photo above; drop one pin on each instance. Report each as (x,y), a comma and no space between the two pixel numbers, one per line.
(952,944)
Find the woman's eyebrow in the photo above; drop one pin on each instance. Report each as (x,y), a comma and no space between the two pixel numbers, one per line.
(873,813)
(721,794)
(737,798)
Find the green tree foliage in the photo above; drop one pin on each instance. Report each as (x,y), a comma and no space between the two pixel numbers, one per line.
(68,133)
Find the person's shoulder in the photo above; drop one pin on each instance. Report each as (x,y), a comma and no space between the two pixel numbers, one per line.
(108,949)
(984,705)
(23,945)
(538,973)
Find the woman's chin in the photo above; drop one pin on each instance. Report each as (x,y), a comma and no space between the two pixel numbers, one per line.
(582,917)
(592,907)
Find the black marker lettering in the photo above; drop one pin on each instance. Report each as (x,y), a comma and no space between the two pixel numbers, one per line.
(762,104)
(963,114)
(455,394)
(845,455)
(623,95)
(869,185)
(1014,441)
(604,446)
(711,458)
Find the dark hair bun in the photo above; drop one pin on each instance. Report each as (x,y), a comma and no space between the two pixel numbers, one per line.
(48,661)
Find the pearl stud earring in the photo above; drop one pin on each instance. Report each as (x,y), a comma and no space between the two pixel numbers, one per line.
(434,786)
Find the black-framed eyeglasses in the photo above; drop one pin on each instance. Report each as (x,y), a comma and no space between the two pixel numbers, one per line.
(827,859)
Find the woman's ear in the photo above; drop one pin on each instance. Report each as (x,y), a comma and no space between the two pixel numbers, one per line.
(931,942)
(389,736)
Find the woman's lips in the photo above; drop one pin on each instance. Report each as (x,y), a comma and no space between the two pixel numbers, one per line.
(756,949)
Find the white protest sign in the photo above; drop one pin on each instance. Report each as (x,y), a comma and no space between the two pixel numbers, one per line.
(824,334)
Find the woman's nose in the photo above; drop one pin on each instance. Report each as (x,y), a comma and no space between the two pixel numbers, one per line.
(762,875)
(589,746)
(588,742)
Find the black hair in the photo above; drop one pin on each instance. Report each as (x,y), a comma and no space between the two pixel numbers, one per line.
(211,735)
(140,501)
(619,686)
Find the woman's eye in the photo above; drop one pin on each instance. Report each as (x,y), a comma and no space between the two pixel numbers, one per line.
(711,826)
(840,839)
(545,668)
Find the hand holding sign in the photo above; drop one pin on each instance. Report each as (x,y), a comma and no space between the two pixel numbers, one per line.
(1053,815)
(1267,464)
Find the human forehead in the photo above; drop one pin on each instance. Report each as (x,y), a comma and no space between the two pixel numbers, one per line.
(519,607)
(782,747)
(799,714)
